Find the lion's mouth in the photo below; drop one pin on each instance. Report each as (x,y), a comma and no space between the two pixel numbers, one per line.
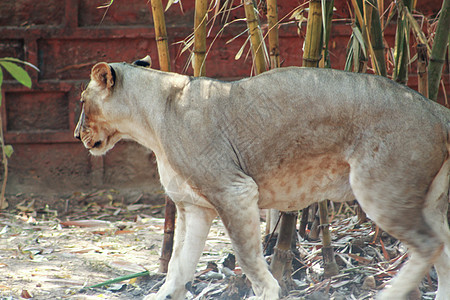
(97,144)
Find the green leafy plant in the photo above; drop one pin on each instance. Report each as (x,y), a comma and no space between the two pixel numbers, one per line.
(10,65)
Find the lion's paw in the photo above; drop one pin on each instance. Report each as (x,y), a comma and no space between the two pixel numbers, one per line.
(150,297)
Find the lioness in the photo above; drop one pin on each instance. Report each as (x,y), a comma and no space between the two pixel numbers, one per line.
(283,139)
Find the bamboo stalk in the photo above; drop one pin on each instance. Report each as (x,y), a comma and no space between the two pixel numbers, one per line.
(368,12)
(272,18)
(201,9)
(303,222)
(359,16)
(313,39)
(376,37)
(164,63)
(317,34)
(281,266)
(380,6)
(330,265)
(401,51)
(274,55)
(420,36)
(314,231)
(437,57)
(256,38)
(3,203)
(327,16)
(422,72)
(169,230)
(161,35)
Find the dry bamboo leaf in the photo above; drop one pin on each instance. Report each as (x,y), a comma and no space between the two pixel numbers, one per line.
(385,254)
(127,266)
(25,294)
(235,37)
(123,232)
(86,223)
(360,259)
(170,3)
(241,50)
(297,14)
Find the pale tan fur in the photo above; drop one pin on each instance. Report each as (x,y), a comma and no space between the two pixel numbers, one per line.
(283,139)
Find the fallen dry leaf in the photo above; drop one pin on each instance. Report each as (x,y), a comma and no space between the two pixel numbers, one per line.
(25,294)
(86,223)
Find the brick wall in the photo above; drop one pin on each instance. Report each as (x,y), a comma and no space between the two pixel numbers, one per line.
(65,38)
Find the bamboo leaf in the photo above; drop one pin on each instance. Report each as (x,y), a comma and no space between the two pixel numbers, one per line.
(106,5)
(348,60)
(235,37)
(8,150)
(169,4)
(17,72)
(324,15)
(297,14)
(12,59)
(188,44)
(118,279)
(360,38)
(241,50)
(356,50)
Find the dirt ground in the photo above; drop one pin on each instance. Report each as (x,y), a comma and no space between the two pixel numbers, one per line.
(55,250)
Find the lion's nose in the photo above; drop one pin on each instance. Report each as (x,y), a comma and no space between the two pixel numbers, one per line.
(76,134)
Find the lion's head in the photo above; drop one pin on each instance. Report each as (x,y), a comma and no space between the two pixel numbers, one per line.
(106,110)
(96,126)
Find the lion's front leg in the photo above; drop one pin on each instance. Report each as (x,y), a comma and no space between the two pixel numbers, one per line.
(191,231)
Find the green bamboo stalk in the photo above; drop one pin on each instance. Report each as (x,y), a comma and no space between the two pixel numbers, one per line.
(161,35)
(201,9)
(422,73)
(313,40)
(256,38)
(361,58)
(376,38)
(437,57)
(401,51)
(327,16)
(272,18)
(380,6)
(368,11)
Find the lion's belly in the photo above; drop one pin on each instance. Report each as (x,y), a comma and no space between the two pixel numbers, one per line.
(296,185)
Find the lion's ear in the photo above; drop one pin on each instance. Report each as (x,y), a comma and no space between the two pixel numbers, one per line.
(104,75)
(145,62)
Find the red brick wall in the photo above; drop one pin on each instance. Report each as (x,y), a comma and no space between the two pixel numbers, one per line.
(65,38)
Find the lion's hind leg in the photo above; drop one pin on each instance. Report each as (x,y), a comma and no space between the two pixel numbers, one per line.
(396,205)
(436,206)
